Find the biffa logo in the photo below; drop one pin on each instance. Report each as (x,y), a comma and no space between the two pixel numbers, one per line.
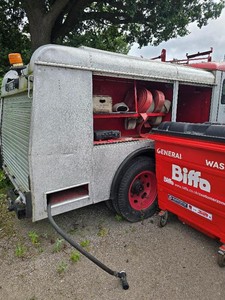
(192,178)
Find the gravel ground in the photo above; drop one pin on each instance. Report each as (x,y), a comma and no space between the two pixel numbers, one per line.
(174,262)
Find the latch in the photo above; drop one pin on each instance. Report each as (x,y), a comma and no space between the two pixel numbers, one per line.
(30,86)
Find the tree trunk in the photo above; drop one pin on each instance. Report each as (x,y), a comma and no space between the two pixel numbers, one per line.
(40,34)
(41,22)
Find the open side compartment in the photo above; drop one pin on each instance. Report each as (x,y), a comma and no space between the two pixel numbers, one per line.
(130,107)
(193,104)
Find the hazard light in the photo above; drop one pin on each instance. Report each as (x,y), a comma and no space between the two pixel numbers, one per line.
(15,59)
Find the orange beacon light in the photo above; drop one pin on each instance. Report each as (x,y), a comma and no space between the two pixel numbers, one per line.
(15,59)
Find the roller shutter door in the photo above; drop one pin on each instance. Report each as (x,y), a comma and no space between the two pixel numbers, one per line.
(15,138)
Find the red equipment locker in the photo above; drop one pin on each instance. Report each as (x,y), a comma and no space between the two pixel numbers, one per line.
(190,169)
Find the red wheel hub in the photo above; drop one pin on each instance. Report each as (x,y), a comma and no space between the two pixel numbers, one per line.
(142,191)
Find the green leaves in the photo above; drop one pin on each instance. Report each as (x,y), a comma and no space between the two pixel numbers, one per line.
(14,35)
(106,38)
(150,21)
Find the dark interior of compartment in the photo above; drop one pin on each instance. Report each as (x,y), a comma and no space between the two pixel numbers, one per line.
(114,124)
(193,104)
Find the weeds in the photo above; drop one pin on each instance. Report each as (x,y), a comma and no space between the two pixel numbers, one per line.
(58,246)
(6,218)
(102,231)
(62,267)
(20,250)
(45,235)
(75,256)
(40,250)
(34,237)
(85,243)
(4,182)
(118,218)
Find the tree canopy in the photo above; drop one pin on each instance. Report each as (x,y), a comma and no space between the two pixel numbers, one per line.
(12,38)
(143,21)
(112,24)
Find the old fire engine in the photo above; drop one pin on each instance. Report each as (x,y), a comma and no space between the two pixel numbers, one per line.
(75,126)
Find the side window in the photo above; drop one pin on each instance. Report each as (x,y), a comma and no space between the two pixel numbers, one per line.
(223,93)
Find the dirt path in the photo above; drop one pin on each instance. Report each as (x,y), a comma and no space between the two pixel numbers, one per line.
(175,262)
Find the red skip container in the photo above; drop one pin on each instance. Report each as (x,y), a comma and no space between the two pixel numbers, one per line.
(190,169)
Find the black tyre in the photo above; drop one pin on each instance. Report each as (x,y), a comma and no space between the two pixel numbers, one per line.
(137,190)
(110,206)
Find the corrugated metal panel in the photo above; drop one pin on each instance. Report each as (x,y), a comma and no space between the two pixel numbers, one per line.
(15,137)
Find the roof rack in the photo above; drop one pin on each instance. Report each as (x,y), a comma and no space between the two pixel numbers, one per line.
(205,55)
(162,56)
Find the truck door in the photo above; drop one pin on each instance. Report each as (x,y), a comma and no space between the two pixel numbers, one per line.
(221,103)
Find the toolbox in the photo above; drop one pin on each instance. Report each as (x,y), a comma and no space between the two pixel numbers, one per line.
(190,170)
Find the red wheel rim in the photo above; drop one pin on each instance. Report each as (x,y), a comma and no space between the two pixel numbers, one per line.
(142,191)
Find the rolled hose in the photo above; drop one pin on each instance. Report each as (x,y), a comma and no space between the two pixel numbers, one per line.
(122,275)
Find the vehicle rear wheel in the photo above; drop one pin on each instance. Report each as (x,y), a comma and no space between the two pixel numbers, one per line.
(137,191)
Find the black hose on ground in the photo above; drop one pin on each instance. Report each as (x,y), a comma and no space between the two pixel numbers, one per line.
(122,275)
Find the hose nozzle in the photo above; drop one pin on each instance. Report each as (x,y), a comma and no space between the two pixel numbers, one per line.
(123,276)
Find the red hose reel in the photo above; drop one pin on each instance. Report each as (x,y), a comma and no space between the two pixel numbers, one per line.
(146,101)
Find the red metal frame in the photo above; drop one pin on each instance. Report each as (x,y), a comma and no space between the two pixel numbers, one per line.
(204,55)
(204,58)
